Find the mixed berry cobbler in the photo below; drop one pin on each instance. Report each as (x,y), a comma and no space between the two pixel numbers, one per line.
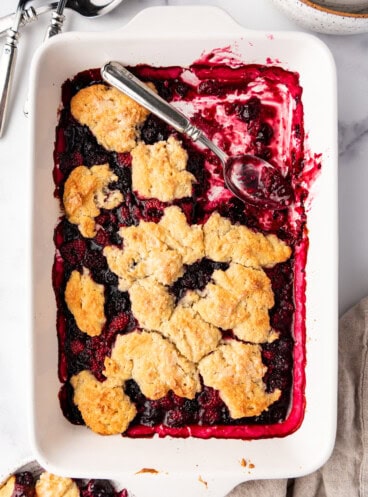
(25,484)
(180,307)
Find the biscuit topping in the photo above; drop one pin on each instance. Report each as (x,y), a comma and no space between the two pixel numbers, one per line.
(85,300)
(104,406)
(156,249)
(152,304)
(193,336)
(227,242)
(7,489)
(236,370)
(158,170)
(112,117)
(86,192)
(239,299)
(49,485)
(154,363)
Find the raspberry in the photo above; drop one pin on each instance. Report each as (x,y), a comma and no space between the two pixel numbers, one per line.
(102,238)
(76,346)
(118,323)
(174,418)
(152,210)
(209,398)
(95,260)
(210,417)
(73,252)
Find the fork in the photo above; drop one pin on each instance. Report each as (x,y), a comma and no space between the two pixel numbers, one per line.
(7,63)
(57,20)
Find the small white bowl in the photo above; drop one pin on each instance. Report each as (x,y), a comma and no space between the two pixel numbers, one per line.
(328,16)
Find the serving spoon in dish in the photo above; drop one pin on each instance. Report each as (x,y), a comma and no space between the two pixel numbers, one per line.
(86,8)
(247,176)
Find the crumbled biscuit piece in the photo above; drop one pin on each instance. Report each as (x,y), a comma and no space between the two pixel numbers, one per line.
(113,118)
(239,299)
(226,242)
(236,370)
(104,406)
(156,249)
(8,488)
(85,299)
(193,337)
(151,302)
(154,363)
(49,485)
(186,239)
(85,192)
(158,170)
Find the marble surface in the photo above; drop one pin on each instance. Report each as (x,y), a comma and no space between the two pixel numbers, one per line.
(350,53)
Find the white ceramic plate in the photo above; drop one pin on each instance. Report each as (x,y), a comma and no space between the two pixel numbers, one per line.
(170,36)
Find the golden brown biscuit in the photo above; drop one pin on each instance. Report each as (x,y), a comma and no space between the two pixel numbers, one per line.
(49,485)
(7,489)
(239,299)
(112,117)
(104,406)
(156,249)
(193,337)
(226,242)
(152,304)
(158,170)
(236,370)
(85,299)
(154,363)
(86,192)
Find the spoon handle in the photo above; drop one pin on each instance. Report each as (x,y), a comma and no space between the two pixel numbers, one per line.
(118,76)
(29,15)
(7,65)
(57,20)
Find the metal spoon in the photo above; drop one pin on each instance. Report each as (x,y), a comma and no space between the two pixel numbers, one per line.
(248,177)
(86,8)
(7,63)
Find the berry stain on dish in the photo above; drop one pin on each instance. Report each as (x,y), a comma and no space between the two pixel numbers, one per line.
(198,298)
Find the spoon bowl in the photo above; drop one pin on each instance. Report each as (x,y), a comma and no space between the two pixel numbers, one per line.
(256,180)
(248,177)
(86,8)
(92,8)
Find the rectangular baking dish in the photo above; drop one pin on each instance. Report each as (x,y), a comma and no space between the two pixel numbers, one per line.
(168,466)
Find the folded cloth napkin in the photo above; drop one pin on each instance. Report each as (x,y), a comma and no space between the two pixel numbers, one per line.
(345,474)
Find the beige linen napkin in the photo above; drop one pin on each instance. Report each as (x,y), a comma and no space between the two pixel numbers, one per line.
(345,474)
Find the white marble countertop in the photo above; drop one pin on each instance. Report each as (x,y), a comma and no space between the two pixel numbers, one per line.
(350,53)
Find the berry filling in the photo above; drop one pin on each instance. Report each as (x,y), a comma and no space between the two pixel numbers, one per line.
(254,128)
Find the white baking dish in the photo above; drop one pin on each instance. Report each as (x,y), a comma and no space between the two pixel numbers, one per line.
(185,467)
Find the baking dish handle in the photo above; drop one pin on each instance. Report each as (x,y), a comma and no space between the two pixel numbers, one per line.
(156,20)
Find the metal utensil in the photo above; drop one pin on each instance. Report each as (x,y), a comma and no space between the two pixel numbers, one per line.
(249,177)
(86,8)
(55,27)
(57,20)
(7,63)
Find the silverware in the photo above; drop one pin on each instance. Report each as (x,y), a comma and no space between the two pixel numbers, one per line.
(57,20)
(86,8)
(55,27)
(7,63)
